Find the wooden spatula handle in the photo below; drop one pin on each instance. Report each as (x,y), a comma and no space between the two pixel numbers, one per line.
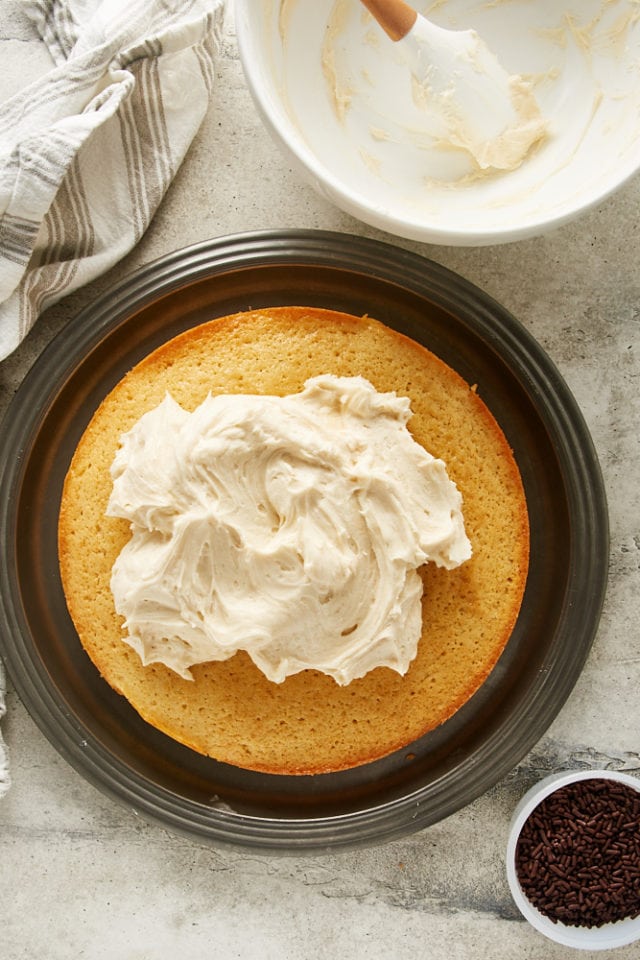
(394,16)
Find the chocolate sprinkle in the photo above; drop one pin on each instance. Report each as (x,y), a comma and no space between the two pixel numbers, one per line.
(578,854)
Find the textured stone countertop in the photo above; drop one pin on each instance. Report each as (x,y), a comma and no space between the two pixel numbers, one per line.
(81,877)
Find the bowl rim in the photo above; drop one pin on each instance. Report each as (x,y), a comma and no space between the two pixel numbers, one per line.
(616,934)
(279,125)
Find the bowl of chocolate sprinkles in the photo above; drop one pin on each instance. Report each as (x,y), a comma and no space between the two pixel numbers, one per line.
(573,858)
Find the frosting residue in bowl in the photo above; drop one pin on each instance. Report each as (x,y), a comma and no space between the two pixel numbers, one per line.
(350,115)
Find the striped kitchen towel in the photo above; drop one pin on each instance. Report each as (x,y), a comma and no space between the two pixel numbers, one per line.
(88,150)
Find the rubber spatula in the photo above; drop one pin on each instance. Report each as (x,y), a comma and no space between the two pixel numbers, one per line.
(457,80)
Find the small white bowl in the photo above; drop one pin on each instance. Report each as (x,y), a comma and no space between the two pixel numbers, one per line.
(335,94)
(604,937)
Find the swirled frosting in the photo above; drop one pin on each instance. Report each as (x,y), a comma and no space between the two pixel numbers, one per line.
(289,527)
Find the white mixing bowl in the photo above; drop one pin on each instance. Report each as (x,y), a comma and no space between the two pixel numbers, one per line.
(335,93)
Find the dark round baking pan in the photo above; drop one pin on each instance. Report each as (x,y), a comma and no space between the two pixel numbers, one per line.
(104,738)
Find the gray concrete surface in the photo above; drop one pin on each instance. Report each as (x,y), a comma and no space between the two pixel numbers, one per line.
(81,877)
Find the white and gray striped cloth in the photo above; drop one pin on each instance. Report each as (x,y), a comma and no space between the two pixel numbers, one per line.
(88,150)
